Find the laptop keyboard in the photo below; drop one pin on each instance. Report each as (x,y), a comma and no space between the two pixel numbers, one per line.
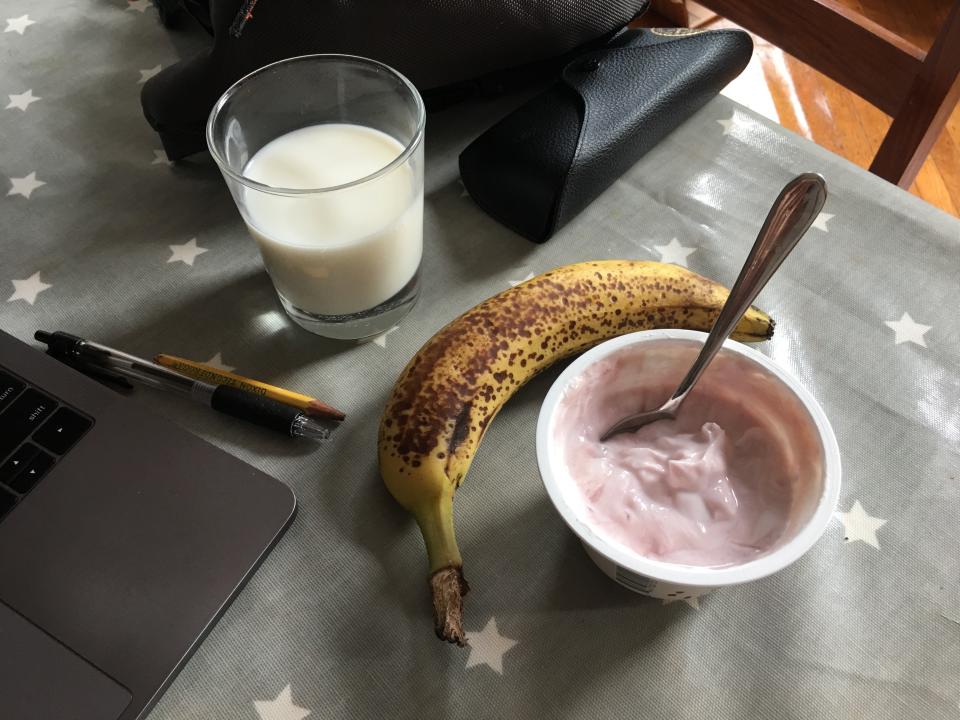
(36,430)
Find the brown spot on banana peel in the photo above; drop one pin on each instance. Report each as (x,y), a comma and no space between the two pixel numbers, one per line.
(452,388)
(461,428)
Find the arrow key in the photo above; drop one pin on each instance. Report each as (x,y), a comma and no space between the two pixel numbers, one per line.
(61,430)
(35,469)
(16,462)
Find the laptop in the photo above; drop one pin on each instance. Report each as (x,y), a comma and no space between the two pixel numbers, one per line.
(123,539)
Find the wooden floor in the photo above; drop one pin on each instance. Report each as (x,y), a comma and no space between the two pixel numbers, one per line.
(800,98)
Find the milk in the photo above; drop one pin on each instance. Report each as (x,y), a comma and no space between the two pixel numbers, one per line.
(342,251)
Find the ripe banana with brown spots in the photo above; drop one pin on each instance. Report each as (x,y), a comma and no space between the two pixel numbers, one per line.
(445,398)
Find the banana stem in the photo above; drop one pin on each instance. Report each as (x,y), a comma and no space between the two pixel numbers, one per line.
(447,588)
(447,584)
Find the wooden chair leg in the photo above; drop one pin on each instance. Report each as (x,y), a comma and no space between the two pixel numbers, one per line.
(928,105)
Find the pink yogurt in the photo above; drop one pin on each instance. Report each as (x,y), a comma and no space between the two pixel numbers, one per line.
(721,485)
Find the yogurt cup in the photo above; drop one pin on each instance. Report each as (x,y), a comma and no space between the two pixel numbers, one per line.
(666,580)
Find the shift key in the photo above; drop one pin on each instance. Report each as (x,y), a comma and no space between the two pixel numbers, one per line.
(22,417)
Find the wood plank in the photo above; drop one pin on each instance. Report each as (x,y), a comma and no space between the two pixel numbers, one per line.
(819,116)
(946,153)
(931,186)
(932,97)
(857,52)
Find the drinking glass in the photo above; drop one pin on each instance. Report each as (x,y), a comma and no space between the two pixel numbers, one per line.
(335,203)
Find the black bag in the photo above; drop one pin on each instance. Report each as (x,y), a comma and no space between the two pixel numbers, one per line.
(437,44)
(542,164)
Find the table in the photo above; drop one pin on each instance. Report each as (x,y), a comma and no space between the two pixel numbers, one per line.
(151,258)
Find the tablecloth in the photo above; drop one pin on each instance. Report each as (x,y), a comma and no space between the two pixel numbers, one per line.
(101,236)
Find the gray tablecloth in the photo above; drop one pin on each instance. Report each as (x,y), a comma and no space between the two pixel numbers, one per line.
(336,622)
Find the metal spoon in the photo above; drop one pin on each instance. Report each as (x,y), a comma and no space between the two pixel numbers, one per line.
(790,217)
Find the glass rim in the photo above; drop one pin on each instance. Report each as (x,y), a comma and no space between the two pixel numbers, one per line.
(239,177)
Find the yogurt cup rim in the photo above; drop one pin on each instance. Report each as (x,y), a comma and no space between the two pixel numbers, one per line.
(688,575)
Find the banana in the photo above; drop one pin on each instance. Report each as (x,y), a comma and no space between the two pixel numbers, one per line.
(445,398)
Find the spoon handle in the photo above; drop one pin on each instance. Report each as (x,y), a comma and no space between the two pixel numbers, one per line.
(791,216)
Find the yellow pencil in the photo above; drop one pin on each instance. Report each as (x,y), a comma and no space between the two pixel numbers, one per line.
(216,376)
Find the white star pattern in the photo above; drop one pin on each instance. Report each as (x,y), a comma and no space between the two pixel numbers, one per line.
(674,253)
(186,253)
(727,125)
(514,283)
(28,289)
(160,158)
(139,5)
(217,362)
(906,329)
(488,646)
(691,596)
(22,101)
(381,339)
(18,25)
(25,185)
(280,708)
(821,222)
(149,73)
(858,525)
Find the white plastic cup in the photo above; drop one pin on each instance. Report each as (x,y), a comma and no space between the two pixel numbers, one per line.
(665,580)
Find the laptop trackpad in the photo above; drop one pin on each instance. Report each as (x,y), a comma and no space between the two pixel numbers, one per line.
(42,679)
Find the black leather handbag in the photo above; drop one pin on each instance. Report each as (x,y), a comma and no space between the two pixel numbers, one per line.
(449,49)
(542,164)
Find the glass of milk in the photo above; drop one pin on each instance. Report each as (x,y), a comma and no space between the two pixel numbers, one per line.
(324,157)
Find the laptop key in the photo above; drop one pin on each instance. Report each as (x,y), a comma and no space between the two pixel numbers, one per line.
(7,501)
(17,462)
(22,417)
(10,387)
(32,472)
(62,430)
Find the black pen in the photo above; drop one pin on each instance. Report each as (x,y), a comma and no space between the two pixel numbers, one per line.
(223,398)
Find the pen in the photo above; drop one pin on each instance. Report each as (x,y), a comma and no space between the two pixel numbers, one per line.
(232,401)
(96,372)
(199,371)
